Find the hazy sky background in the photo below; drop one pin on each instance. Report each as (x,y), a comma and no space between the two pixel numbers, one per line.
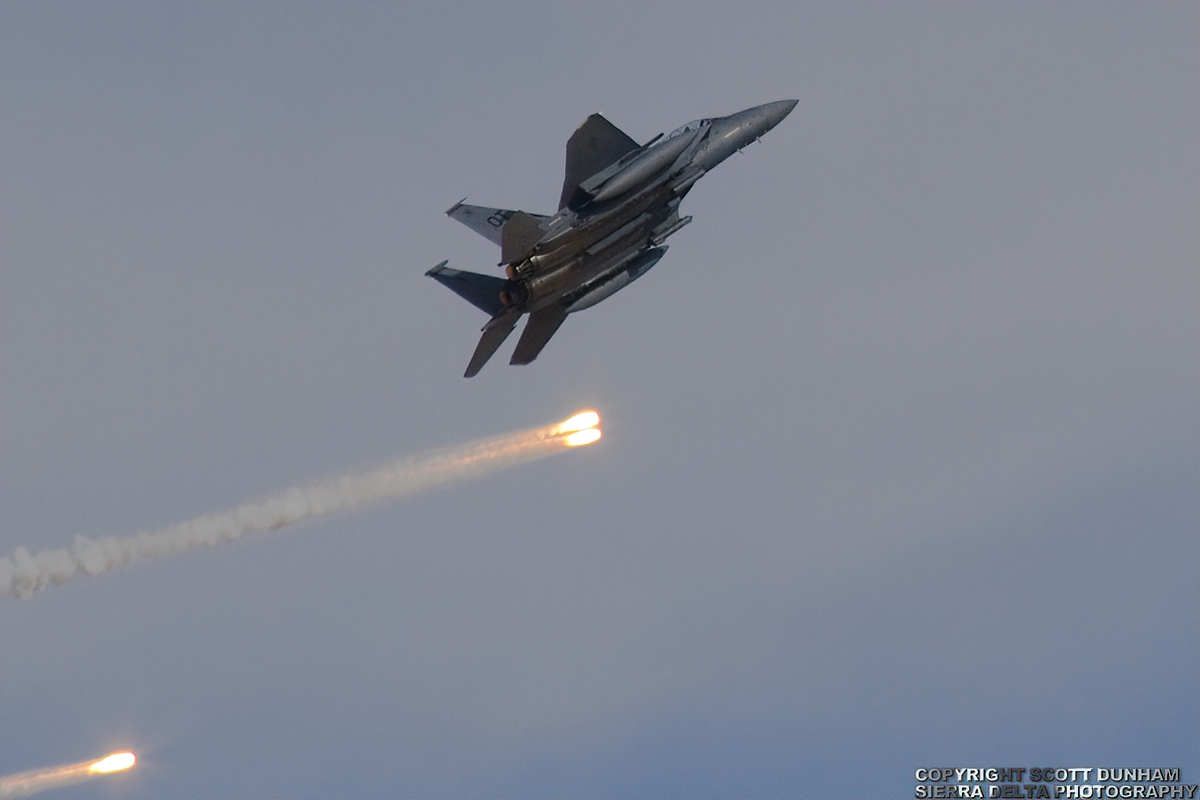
(900,465)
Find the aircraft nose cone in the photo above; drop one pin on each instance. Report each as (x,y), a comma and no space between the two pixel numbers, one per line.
(775,112)
(730,134)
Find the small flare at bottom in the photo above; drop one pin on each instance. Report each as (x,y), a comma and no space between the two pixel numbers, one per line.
(23,784)
(114,763)
(579,429)
(579,422)
(583,437)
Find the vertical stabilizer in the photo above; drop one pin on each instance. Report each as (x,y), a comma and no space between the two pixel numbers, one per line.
(494,334)
(538,330)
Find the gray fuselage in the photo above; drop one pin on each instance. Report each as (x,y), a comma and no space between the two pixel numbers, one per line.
(619,203)
(632,206)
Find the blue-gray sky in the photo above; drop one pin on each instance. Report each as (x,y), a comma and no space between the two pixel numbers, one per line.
(900,465)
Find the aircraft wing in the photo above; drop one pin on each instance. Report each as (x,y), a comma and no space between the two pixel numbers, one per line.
(538,330)
(487,222)
(592,147)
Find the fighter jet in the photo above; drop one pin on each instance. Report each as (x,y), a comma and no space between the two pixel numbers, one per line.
(619,203)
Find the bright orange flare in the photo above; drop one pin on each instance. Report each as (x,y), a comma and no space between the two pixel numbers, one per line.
(114,763)
(582,420)
(585,436)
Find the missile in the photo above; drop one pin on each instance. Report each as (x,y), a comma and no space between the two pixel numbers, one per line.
(658,237)
(634,226)
(687,180)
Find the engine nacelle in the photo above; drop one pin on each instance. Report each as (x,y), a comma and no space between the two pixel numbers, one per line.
(612,282)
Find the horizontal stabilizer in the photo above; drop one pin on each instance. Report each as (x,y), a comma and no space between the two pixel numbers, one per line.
(538,330)
(518,237)
(481,291)
(487,222)
(596,144)
(494,334)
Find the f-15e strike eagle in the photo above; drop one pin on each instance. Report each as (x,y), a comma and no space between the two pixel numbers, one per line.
(620,202)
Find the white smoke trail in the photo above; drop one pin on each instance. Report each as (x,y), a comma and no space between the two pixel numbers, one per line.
(26,573)
(23,784)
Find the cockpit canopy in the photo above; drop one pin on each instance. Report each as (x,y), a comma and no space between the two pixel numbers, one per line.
(694,125)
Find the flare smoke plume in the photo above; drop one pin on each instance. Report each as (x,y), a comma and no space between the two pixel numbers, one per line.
(23,784)
(26,573)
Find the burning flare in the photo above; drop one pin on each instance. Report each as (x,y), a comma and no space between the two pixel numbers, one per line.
(26,573)
(580,429)
(580,438)
(114,763)
(34,781)
(579,422)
